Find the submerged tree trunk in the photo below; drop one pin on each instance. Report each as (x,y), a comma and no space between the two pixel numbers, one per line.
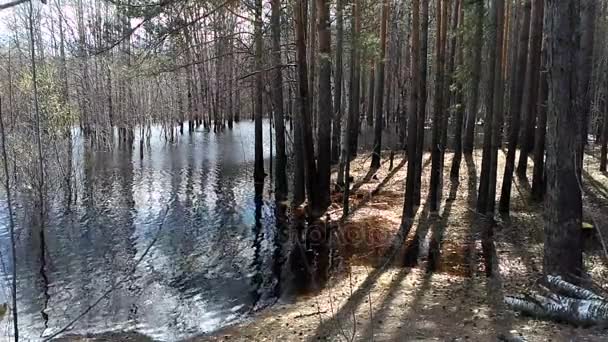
(258,173)
(563,205)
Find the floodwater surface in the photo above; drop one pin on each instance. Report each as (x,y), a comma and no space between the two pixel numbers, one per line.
(169,245)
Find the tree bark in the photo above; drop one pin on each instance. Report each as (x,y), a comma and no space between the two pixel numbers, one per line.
(258,173)
(356,83)
(494,72)
(379,90)
(370,95)
(412,139)
(473,97)
(563,206)
(585,68)
(538,175)
(338,110)
(277,96)
(310,168)
(423,95)
(531,87)
(437,110)
(459,106)
(325,108)
(521,74)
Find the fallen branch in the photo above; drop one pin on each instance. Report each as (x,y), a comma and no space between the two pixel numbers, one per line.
(311,314)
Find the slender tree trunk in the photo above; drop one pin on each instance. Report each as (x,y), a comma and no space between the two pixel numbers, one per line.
(437,111)
(421,106)
(337,129)
(497,122)
(563,205)
(11,220)
(277,95)
(538,176)
(493,65)
(586,25)
(370,95)
(325,109)
(258,174)
(356,91)
(473,98)
(604,148)
(310,168)
(311,40)
(379,91)
(412,139)
(531,87)
(353,108)
(459,106)
(517,86)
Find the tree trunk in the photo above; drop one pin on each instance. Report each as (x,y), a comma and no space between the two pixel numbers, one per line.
(497,122)
(338,110)
(356,84)
(412,139)
(459,106)
(325,108)
(258,173)
(277,96)
(310,168)
(421,106)
(494,72)
(585,68)
(604,148)
(538,175)
(370,95)
(473,98)
(437,110)
(353,107)
(522,73)
(563,206)
(379,91)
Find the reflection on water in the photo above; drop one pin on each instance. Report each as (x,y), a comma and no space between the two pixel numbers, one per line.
(214,258)
(217,253)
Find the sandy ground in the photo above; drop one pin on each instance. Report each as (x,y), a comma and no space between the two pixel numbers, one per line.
(432,285)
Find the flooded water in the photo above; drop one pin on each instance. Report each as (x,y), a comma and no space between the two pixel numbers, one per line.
(170,245)
(211,257)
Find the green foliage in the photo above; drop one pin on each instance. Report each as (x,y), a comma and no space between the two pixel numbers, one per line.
(369,45)
(58,114)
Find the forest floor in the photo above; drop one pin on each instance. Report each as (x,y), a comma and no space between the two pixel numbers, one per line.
(432,285)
